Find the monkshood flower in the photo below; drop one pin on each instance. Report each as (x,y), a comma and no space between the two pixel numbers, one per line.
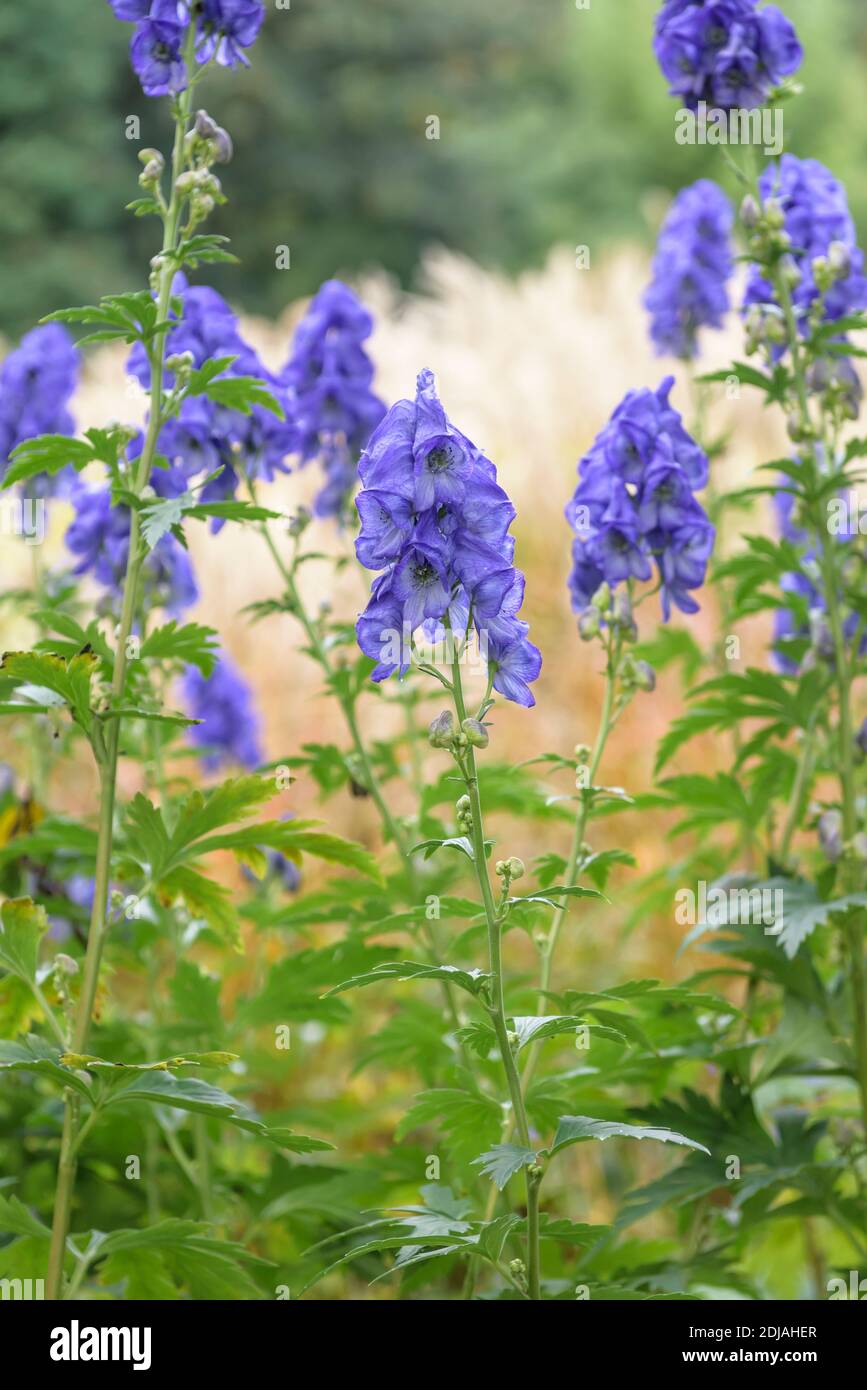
(37,381)
(727,53)
(99,537)
(821,234)
(204,436)
(223,701)
(806,621)
(224,29)
(635,505)
(691,269)
(435,521)
(329,375)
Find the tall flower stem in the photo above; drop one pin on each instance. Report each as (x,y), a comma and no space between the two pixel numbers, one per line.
(392,828)
(107,754)
(497,1008)
(853,929)
(576,850)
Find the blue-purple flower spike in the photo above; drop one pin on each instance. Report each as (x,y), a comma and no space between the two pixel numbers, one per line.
(816,215)
(435,521)
(731,54)
(691,269)
(328,377)
(37,382)
(635,507)
(223,701)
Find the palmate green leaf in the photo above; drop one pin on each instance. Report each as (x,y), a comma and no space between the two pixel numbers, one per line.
(46,453)
(470,980)
(547,898)
(205,898)
(468,1119)
(191,644)
(188,1093)
(196,999)
(33,1055)
(534,1028)
(294,838)
(774,386)
(18,1220)
(235,392)
(206,247)
(574,1129)
(503,1161)
(67,678)
(162,1261)
(462,843)
(85,1062)
(23,925)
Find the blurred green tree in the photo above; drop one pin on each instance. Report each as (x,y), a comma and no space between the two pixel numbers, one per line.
(553,125)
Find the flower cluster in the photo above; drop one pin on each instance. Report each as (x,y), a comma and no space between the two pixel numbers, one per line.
(635,505)
(727,53)
(205,437)
(825,260)
(691,269)
(37,381)
(329,376)
(436,522)
(223,30)
(99,537)
(229,728)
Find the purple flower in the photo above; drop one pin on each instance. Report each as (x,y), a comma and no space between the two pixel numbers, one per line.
(635,505)
(156,52)
(328,376)
(224,29)
(816,212)
(691,269)
(205,437)
(227,27)
(435,521)
(37,381)
(99,537)
(727,53)
(229,731)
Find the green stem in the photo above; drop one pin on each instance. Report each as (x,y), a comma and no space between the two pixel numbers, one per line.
(853,935)
(371,783)
(497,1006)
(108,758)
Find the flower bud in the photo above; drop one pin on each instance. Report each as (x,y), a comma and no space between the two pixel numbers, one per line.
(515,867)
(840,259)
(643,675)
(830,829)
(463,805)
(65,964)
(442,730)
(205,127)
(476,733)
(750,212)
(150,156)
(602,598)
(583,753)
(588,624)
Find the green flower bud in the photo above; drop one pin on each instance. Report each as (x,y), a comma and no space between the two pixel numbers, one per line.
(442,730)
(583,753)
(588,624)
(65,964)
(840,259)
(516,868)
(602,598)
(644,675)
(476,733)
